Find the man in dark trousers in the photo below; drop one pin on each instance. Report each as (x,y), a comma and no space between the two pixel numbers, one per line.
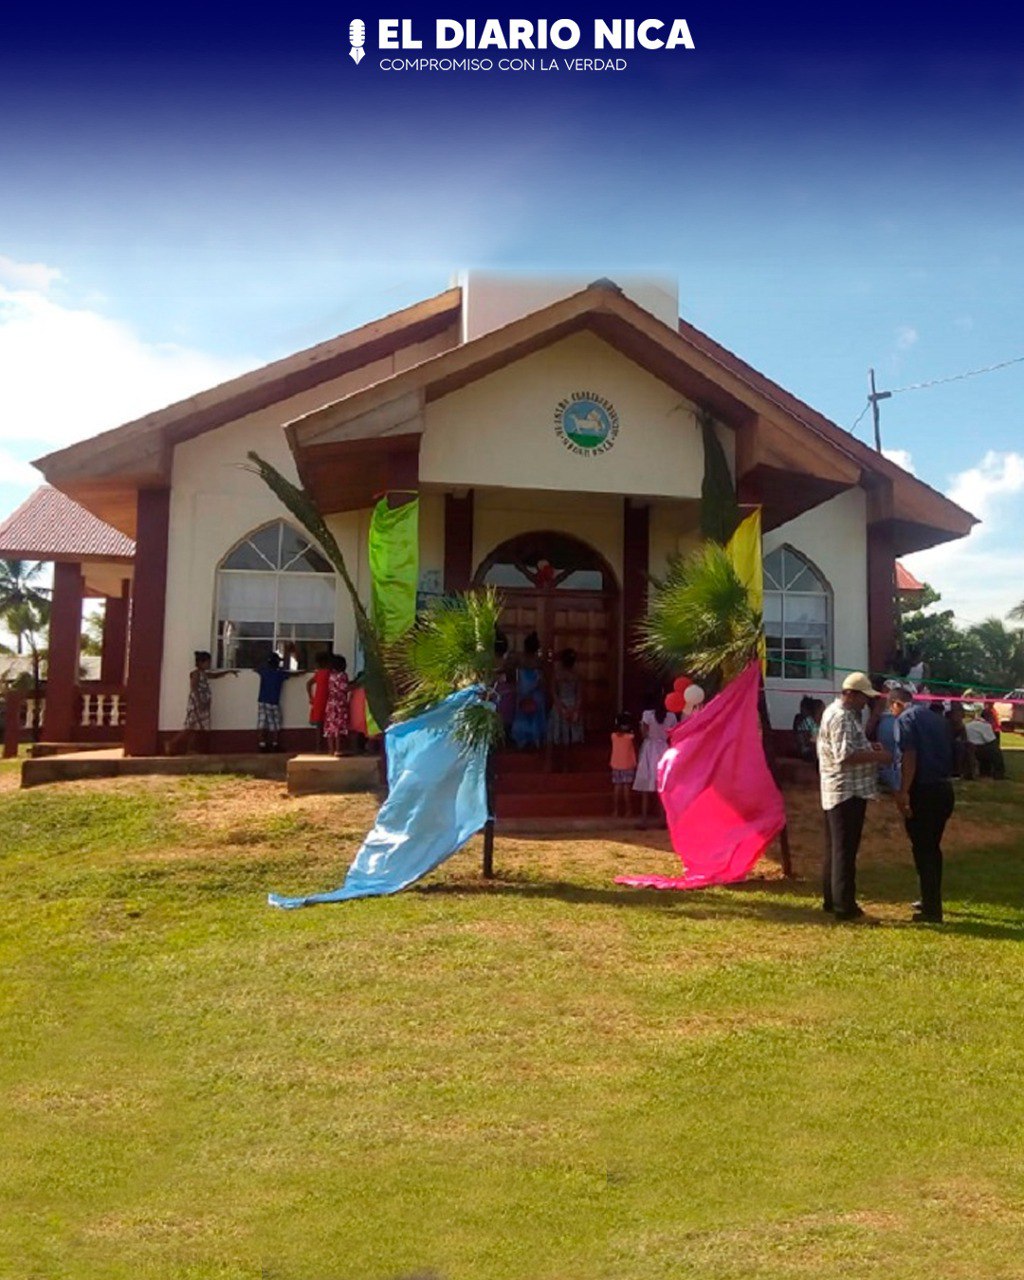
(848,769)
(924,758)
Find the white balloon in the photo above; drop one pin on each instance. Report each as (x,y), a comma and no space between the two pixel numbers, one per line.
(693,695)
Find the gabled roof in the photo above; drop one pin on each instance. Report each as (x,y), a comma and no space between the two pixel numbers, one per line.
(50,526)
(787,452)
(789,457)
(104,471)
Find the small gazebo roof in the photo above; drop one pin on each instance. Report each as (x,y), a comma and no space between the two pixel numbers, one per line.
(51,526)
(906,583)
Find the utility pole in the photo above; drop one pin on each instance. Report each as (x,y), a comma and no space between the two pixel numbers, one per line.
(874,397)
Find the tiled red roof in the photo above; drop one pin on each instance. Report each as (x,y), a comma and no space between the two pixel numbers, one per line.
(50,526)
(905,580)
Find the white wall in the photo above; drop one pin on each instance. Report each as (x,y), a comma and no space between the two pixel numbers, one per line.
(500,431)
(834,538)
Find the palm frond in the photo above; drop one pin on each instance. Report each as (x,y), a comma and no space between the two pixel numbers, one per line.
(380,692)
(700,617)
(450,648)
(719,510)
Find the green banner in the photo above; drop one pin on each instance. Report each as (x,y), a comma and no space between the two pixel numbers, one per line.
(394,567)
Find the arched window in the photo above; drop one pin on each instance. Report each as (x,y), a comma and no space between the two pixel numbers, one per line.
(275,593)
(797,617)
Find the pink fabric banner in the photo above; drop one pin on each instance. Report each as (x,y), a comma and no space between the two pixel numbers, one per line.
(722,804)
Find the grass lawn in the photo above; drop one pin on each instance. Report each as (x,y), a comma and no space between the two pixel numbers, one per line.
(549,1078)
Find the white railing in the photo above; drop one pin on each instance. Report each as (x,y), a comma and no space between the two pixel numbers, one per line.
(102,707)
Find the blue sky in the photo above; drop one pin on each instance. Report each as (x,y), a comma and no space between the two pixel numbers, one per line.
(187,194)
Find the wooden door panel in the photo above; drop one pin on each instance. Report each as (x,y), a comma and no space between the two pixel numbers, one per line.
(586,624)
(584,621)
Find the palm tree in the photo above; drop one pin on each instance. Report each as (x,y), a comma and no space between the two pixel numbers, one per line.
(92,634)
(19,586)
(700,618)
(1017,612)
(451,647)
(29,622)
(1002,652)
(377,680)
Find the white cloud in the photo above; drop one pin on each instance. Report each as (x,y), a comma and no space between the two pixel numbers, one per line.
(27,275)
(16,471)
(983,574)
(906,337)
(902,458)
(980,488)
(70,371)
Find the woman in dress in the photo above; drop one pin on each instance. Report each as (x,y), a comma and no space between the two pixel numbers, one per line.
(196,733)
(655,726)
(530,723)
(565,727)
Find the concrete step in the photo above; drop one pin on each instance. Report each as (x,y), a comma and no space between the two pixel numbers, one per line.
(328,775)
(553,783)
(552,805)
(579,759)
(112,763)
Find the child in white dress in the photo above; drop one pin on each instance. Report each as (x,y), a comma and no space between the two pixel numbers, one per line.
(655,727)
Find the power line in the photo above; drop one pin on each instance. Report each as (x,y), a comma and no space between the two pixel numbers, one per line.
(874,395)
(956,377)
(860,415)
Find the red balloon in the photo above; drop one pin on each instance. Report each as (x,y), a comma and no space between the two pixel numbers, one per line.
(675,703)
(681,684)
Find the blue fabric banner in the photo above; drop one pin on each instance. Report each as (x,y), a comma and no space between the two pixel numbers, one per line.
(437,799)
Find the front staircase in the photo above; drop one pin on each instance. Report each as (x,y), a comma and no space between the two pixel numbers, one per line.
(578,786)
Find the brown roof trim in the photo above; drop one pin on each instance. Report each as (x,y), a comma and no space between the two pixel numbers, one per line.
(157,433)
(855,449)
(601,307)
(714,376)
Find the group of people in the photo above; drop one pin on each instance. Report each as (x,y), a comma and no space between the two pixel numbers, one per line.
(546,711)
(921,761)
(337,707)
(537,711)
(634,771)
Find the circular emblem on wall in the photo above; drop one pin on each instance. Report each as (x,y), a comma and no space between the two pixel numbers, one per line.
(586,423)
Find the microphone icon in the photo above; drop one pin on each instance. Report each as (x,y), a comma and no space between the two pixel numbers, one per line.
(357,38)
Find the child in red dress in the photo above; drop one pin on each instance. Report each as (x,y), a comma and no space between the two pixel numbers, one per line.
(316,691)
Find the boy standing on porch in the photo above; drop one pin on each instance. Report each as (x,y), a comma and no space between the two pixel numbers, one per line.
(268,705)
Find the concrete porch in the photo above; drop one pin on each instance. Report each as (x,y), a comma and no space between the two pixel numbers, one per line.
(113,763)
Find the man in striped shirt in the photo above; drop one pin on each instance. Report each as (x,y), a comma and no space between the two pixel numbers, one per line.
(848,767)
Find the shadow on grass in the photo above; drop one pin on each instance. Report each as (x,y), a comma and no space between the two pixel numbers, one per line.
(982,878)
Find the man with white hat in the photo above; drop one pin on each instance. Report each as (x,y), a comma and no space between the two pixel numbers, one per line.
(848,767)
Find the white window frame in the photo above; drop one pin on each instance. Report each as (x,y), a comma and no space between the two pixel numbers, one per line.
(277,640)
(828,657)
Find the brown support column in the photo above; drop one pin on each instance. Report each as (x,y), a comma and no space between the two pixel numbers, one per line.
(458,542)
(149,592)
(62,663)
(115,636)
(636,551)
(881,595)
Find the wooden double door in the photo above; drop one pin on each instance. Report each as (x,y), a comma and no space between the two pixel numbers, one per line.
(584,621)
